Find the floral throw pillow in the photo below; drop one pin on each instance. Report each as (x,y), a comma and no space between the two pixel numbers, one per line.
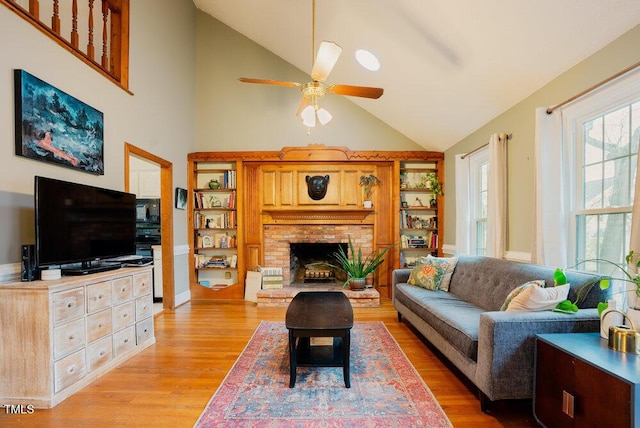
(428,274)
(451,265)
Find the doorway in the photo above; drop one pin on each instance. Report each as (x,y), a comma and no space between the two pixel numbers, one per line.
(135,154)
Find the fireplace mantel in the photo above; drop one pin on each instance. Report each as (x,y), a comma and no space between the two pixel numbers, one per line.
(314,216)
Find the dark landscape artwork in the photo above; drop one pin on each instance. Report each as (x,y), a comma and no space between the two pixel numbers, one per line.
(52,126)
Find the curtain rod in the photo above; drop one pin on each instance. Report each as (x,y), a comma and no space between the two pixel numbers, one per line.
(592,88)
(501,136)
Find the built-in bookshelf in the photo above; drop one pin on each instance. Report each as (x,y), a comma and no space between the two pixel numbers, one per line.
(419,221)
(215,224)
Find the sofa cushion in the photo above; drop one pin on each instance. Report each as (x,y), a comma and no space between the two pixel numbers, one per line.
(537,298)
(427,274)
(446,278)
(519,290)
(455,320)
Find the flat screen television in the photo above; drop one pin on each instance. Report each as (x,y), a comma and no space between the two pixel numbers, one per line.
(77,226)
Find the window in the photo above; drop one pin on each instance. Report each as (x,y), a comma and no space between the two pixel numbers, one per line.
(607,151)
(478,191)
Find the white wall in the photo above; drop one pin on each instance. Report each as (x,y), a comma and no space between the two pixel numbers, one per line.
(159,117)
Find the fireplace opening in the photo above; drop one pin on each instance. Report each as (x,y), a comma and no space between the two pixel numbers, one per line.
(310,262)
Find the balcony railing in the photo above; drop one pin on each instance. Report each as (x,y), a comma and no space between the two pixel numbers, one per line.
(103,46)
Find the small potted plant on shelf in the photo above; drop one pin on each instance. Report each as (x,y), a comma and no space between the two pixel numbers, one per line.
(355,266)
(368,182)
(430,181)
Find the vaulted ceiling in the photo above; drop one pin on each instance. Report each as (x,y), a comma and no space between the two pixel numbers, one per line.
(448,67)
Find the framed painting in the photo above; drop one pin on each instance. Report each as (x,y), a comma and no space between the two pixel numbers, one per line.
(181,198)
(52,126)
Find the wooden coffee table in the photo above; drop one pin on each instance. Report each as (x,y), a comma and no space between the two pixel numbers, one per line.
(314,314)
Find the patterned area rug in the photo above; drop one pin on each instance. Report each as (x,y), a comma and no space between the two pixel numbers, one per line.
(385,388)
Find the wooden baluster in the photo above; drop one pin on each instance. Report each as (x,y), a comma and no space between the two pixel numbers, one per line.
(74,24)
(90,47)
(105,16)
(34,9)
(55,19)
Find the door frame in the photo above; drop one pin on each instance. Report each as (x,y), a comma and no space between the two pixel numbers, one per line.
(166,217)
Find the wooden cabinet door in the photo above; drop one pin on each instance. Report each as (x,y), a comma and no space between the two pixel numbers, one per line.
(570,392)
(603,400)
(554,386)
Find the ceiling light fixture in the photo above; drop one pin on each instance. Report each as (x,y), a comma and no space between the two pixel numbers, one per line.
(311,92)
(367,60)
(314,113)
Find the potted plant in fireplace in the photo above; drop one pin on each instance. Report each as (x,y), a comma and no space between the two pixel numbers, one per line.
(356,266)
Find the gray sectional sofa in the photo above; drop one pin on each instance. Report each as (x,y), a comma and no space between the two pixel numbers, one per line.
(493,348)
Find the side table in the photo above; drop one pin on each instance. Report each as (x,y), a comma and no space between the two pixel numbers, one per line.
(581,382)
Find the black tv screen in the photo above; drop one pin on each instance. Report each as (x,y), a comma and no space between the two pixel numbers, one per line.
(80,223)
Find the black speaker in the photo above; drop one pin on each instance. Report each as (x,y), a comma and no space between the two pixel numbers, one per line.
(29,271)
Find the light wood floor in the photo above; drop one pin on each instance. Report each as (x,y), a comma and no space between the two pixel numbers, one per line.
(170,383)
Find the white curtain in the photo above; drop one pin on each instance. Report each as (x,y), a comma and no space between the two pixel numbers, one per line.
(635,218)
(497,197)
(463,213)
(551,192)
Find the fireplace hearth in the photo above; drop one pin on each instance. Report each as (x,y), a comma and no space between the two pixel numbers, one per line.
(311,262)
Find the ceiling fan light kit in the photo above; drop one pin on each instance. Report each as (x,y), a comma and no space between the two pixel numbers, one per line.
(325,60)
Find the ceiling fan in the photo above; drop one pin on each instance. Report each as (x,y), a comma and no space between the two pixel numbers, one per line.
(325,60)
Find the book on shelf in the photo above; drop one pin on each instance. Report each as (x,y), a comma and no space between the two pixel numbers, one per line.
(428,240)
(204,261)
(408,221)
(229,179)
(203,200)
(226,220)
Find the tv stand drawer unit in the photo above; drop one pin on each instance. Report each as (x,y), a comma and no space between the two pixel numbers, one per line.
(56,337)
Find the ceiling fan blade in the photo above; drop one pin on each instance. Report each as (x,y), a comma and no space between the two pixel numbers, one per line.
(270,82)
(328,54)
(304,102)
(356,91)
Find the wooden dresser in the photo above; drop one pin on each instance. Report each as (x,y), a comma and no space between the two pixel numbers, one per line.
(580,382)
(56,337)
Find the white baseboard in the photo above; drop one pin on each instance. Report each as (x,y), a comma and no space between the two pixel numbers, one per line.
(180,250)
(515,256)
(518,256)
(448,249)
(182,298)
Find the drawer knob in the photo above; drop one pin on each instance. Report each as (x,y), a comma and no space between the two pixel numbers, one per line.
(101,353)
(70,305)
(126,341)
(71,337)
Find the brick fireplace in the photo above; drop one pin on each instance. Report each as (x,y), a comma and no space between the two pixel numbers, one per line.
(278,240)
